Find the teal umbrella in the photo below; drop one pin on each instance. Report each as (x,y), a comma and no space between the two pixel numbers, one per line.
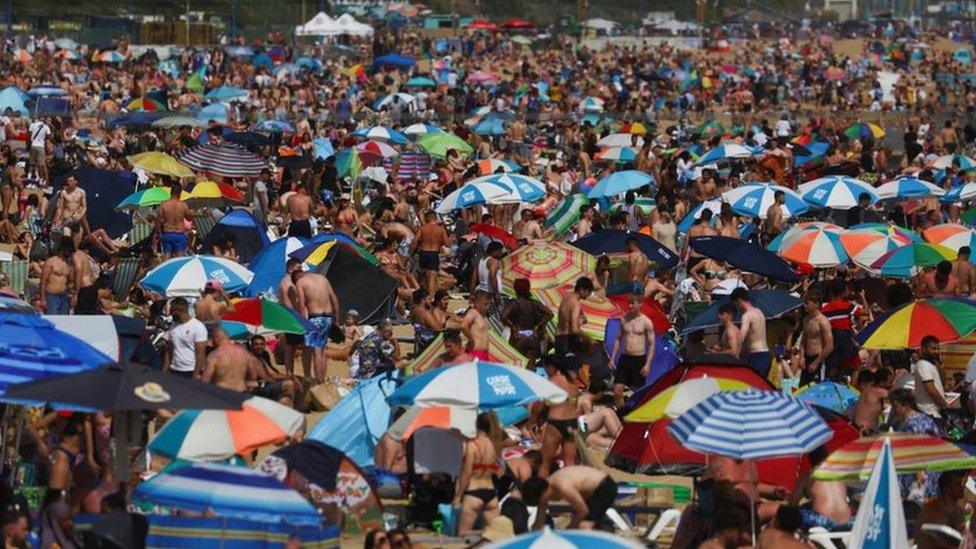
(421,82)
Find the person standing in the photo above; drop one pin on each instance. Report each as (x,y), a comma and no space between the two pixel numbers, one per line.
(752,335)
(298,213)
(55,297)
(187,351)
(929,392)
(288,296)
(474,324)
(773,224)
(318,303)
(72,205)
(170,223)
(86,273)
(427,244)
(570,318)
(818,340)
(39,132)
(636,335)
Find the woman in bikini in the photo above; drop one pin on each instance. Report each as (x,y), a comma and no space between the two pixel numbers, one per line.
(562,422)
(475,489)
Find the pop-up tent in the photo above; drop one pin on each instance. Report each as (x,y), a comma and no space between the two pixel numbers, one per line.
(357,422)
(359,285)
(320,25)
(247,231)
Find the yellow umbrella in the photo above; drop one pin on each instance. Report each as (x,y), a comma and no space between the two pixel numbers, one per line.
(160,163)
(676,400)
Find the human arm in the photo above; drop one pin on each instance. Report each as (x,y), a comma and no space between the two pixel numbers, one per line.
(541,511)
(83,206)
(935,395)
(45,274)
(167,356)
(58,209)
(649,333)
(616,344)
(206,374)
(300,303)
(578,504)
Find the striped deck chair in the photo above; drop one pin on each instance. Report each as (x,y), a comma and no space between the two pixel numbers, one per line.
(204,223)
(16,272)
(125,276)
(140,231)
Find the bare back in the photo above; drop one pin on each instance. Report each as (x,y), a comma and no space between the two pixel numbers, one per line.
(172,213)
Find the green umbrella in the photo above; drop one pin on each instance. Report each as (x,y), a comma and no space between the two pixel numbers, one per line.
(969,217)
(643,203)
(710,129)
(421,82)
(261,316)
(147,198)
(567,213)
(437,144)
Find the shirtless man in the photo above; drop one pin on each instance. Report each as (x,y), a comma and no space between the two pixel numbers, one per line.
(72,205)
(940,282)
(430,238)
(637,264)
(781,533)
(298,212)
(828,506)
(475,326)
(964,271)
(817,339)
(570,318)
(637,337)
(589,492)
(212,304)
(55,297)
(870,403)
(946,509)
(228,364)
(585,224)
(318,303)
(86,273)
(530,229)
(454,352)
(752,335)
(169,223)
(657,288)
(288,296)
(702,227)
(731,340)
(773,224)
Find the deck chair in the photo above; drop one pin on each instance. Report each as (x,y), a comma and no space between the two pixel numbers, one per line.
(125,276)
(140,231)
(204,223)
(16,272)
(826,539)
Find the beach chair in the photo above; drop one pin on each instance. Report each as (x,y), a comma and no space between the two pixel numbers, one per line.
(16,271)
(204,223)
(666,523)
(826,539)
(140,231)
(125,276)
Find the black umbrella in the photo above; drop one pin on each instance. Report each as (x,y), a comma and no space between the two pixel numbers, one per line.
(610,241)
(744,255)
(318,462)
(127,387)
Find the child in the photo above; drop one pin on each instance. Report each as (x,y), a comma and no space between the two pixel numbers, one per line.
(789,371)
(351,328)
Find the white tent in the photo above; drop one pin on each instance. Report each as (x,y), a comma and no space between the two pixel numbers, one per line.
(348,25)
(320,25)
(601,24)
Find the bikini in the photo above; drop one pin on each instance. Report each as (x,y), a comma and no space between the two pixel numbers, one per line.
(484,494)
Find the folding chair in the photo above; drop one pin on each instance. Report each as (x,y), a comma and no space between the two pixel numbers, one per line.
(140,231)
(16,272)
(204,223)
(125,276)
(826,539)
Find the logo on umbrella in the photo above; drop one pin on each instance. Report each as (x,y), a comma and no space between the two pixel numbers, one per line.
(151,392)
(874,523)
(26,351)
(501,385)
(220,275)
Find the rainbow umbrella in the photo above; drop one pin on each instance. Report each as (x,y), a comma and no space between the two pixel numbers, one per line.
(546,264)
(213,194)
(634,128)
(145,104)
(951,235)
(348,163)
(322,245)
(617,154)
(912,454)
(678,399)
(946,318)
(455,418)
(566,213)
(211,435)
(160,163)
(889,229)
(864,129)
(147,198)
(597,310)
(261,316)
(815,243)
(499,350)
(865,246)
(907,261)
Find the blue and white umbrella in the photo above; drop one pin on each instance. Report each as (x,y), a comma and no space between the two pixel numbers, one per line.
(908,186)
(226,93)
(946,162)
(754,200)
(277,126)
(491,125)
(415,131)
(381,133)
(229,491)
(268,266)
(187,276)
(566,539)
(836,191)
(216,112)
(502,188)
(46,91)
(481,385)
(880,519)
(728,151)
(960,193)
(406,99)
(714,206)
(323,148)
(619,183)
(592,104)
(522,187)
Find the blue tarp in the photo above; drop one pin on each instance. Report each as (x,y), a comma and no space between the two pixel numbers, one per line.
(105,189)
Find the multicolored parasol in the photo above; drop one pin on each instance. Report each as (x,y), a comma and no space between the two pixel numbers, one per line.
(951,235)
(319,250)
(948,319)
(261,316)
(546,264)
(596,310)
(213,194)
(864,129)
(458,419)
(912,453)
(908,260)
(160,163)
(566,213)
(147,198)
(145,104)
(817,244)
(676,400)
(865,246)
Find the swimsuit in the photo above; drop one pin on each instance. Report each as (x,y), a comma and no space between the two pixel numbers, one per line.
(429,261)
(484,494)
(565,427)
(57,304)
(173,242)
(601,499)
(629,370)
(812,518)
(301,228)
(760,362)
(318,337)
(480,354)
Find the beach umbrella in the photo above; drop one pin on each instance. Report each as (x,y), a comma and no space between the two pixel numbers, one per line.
(135,119)
(829,394)
(960,193)
(491,125)
(108,56)
(213,435)
(160,163)
(817,244)
(864,129)
(145,104)
(566,539)
(394,61)
(213,194)
(772,303)
(122,387)
(437,144)
(950,161)
(880,520)
(263,317)
(226,93)
(375,173)
(481,77)
(622,155)
(415,131)
(634,128)
(380,133)
(70,55)
(836,191)
(224,160)
(180,121)
(715,206)
(911,453)
(276,126)
(46,91)
(614,241)
(147,198)
(865,246)
(643,204)
(908,260)
(908,186)
(710,129)
(592,104)
(619,183)
(728,151)
(230,491)
(16,305)
(321,247)
(597,311)
(66,43)
(890,229)
(349,163)
(566,214)
(495,233)
(458,419)
(744,255)
(489,166)
(506,188)
(481,24)
(215,112)
(375,151)
(393,98)
(187,276)
(620,140)
(754,200)
(421,82)
(476,385)
(269,266)
(946,318)
(323,148)
(678,399)
(546,264)
(951,235)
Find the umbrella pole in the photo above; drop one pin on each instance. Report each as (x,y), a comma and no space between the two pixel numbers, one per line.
(752,505)
(3,438)
(20,431)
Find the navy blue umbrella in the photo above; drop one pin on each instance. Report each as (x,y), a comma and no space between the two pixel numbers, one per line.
(773,303)
(612,241)
(249,138)
(394,60)
(744,255)
(138,118)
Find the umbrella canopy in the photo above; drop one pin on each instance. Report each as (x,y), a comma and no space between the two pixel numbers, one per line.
(865,246)
(349,163)
(836,191)
(619,183)
(506,188)
(714,206)
(617,154)
(908,186)
(611,241)
(160,163)
(773,303)
(620,140)
(226,93)
(321,247)
(634,128)
(214,112)
(546,264)
(954,161)
(477,385)
(818,244)
(960,193)
(323,148)
(567,213)
(438,143)
(744,255)
(127,387)
(376,151)
(461,420)
(269,266)
(566,539)
(224,160)
(489,166)
(491,125)
(394,61)
(864,129)
(262,316)
(948,319)
(908,260)
(678,399)
(911,453)
(415,131)
(147,198)
(187,276)
(381,133)
(421,82)
(495,233)
(728,151)
(230,491)
(213,194)
(276,126)
(170,122)
(829,394)
(754,200)
(213,435)
(885,228)
(880,519)
(951,235)
(751,425)
(643,204)
(598,311)
(145,104)
(395,98)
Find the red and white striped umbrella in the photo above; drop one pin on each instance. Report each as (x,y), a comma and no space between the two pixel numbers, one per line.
(377,150)
(224,160)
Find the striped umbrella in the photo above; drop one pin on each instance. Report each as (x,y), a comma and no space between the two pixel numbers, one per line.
(948,161)
(829,394)
(381,133)
(211,194)
(160,163)
(864,129)
(269,266)
(634,128)
(817,244)
(754,200)
(678,399)
(479,385)
(228,491)
(187,276)
(406,99)
(960,193)
(546,264)
(413,166)
(145,104)
(224,160)
(946,318)
(499,350)
(617,154)
(147,198)
(908,260)
(494,165)
(620,140)
(522,187)
(458,419)
(865,246)
(565,539)
(888,229)
(416,131)
(619,183)
(375,151)
(836,191)
(908,186)
(951,235)
(728,151)
(880,520)
(597,310)
(912,453)
(566,213)
(505,188)
(213,435)
(263,317)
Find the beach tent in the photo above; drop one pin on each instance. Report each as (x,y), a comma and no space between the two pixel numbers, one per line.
(104,189)
(359,285)
(395,61)
(320,25)
(499,350)
(357,422)
(268,265)
(248,232)
(963,56)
